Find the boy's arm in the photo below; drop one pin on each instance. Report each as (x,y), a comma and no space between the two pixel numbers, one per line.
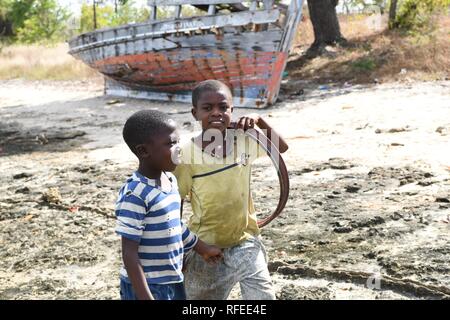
(210,253)
(251,120)
(134,270)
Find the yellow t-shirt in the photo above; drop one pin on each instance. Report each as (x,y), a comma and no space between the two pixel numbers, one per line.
(219,191)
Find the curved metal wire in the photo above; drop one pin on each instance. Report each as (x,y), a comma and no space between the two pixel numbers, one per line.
(283,176)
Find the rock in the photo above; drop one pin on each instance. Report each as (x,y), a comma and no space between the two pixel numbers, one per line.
(42,138)
(339,164)
(52,195)
(443,199)
(23,190)
(22,175)
(370,255)
(114,101)
(295,292)
(393,130)
(396,130)
(65,135)
(396,216)
(371,222)
(353,188)
(425,183)
(343,229)
(442,130)
(362,127)
(355,240)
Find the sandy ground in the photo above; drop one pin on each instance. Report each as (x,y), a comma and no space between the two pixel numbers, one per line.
(369,209)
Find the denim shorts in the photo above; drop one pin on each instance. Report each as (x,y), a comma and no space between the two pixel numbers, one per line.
(171,291)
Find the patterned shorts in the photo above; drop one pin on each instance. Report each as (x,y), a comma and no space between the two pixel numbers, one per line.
(245,264)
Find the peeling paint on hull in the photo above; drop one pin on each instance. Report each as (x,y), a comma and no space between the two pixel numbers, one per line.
(252,76)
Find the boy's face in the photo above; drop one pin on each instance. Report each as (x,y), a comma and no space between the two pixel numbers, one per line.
(161,150)
(214,110)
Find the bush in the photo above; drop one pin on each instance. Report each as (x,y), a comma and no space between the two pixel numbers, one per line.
(364,64)
(45,23)
(418,14)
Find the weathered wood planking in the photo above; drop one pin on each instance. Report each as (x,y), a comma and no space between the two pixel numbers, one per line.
(191,2)
(115,88)
(158,28)
(248,41)
(291,25)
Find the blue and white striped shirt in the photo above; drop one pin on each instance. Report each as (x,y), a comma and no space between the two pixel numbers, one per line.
(151,216)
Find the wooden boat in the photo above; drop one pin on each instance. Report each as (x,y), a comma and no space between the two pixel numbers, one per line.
(242,43)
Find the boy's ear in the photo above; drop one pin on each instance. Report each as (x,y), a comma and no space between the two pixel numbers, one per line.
(141,151)
(194,112)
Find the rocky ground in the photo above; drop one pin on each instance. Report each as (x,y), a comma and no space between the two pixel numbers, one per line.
(367,218)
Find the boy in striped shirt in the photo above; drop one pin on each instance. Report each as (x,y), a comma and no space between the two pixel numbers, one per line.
(154,239)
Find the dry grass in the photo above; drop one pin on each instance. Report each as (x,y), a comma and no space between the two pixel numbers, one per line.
(42,63)
(375,54)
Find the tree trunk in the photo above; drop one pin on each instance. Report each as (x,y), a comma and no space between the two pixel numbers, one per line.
(6,29)
(325,23)
(392,13)
(95,14)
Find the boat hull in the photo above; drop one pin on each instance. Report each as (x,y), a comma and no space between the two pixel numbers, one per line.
(252,76)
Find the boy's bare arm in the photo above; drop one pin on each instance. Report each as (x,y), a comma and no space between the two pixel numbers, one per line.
(251,120)
(134,269)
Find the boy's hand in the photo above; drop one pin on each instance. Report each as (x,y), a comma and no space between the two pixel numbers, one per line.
(209,253)
(212,254)
(247,122)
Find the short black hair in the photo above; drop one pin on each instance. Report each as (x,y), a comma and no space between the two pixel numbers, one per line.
(143,124)
(208,85)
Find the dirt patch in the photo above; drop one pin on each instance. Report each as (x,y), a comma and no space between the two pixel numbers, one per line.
(14,139)
(365,219)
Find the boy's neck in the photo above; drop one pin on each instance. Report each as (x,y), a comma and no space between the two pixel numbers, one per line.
(150,173)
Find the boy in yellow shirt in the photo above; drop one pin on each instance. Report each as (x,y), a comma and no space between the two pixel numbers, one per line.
(215,173)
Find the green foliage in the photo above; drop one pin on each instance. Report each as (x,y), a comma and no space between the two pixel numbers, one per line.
(103,13)
(17,11)
(127,12)
(45,22)
(364,64)
(34,21)
(417,15)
